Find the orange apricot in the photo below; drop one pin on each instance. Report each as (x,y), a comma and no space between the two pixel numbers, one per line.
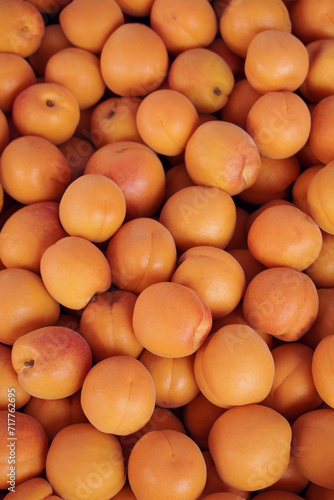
(282,302)
(322,124)
(184,24)
(39,227)
(21,28)
(312,446)
(241,20)
(77,152)
(134,60)
(319,198)
(199,215)
(285,236)
(137,170)
(100,18)
(73,270)
(37,307)
(4,131)
(171,335)
(312,21)
(249,264)
(235,436)
(203,76)
(293,391)
(141,253)
(279,122)
(240,101)
(322,369)
(321,271)
(213,273)
(324,322)
(283,68)
(47,110)
(234,367)
(93,207)
(218,46)
(16,74)
(28,450)
(36,488)
(166,119)
(223,155)
(123,405)
(292,481)
(12,394)
(55,414)
(319,79)
(177,178)
(106,324)
(272,203)
(114,119)
(166,464)
(300,187)
(84,462)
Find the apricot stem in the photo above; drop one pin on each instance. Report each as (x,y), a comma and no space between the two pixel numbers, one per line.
(50,103)
(31,362)
(217,91)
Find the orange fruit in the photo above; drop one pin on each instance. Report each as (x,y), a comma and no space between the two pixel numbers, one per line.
(16,74)
(321,130)
(4,131)
(12,394)
(319,199)
(312,21)
(318,82)
(322,370)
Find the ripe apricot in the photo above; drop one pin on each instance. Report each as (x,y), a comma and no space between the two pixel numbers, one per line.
(114,119)
(213,273)
(321,130)
(93,207)
(199,215)
(293,391)
(184,24)
(47,110)
(282,302)
(106,324)
(10,387)
(312,446)
(234,367)
(319,79)
(166,119)
(166,464)
(15,75)
(30,439)
(51,362)
(218,46)
(171,335)
(21,29)
(223,155)
(311,21)
(300,187)
(55,414)
(73,270)
(292,481)
(240,101)
(322,270)
(126,403)
(204,77)
(242,20)
(84,462)
(324,322)
(249,264)
(137,170)
(279,123)
(134,60)
(319,198)
(141,253)
(283,68)
(37,307)
(39,227)
(100,18)
(36,488)
(322,370)
(274,238)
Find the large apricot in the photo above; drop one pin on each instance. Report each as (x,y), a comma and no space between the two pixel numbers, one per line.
(311,20)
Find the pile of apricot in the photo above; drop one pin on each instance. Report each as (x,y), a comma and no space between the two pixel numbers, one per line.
(166,249)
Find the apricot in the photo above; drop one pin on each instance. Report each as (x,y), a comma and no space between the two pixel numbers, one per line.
(141,253)
(184,24)
(240,101)
(300,187)
(114,119)
(204,77)
(36,488)
(177,178)
(84,462)
(213,273)
(29,448)
(21,29)
(239,236)
(322,370)
(47,110)
(324,322)
(234,367)
(125,403)
(12,394)
(73,270)
(166,464)
(293,391)
(39,227)
(100,18)
(55,414)
(134,60)
(242,20)
(312,446)
(318,82)
(222,155)
(311,21)
(321,130)
(292,481)
(218,46)
(16,74)
(282,302)
(283,68)
(37,308)
(106,324)
(137,170)
(280,123)
(319,198)
(274,238)
(171,335)
(77,152)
